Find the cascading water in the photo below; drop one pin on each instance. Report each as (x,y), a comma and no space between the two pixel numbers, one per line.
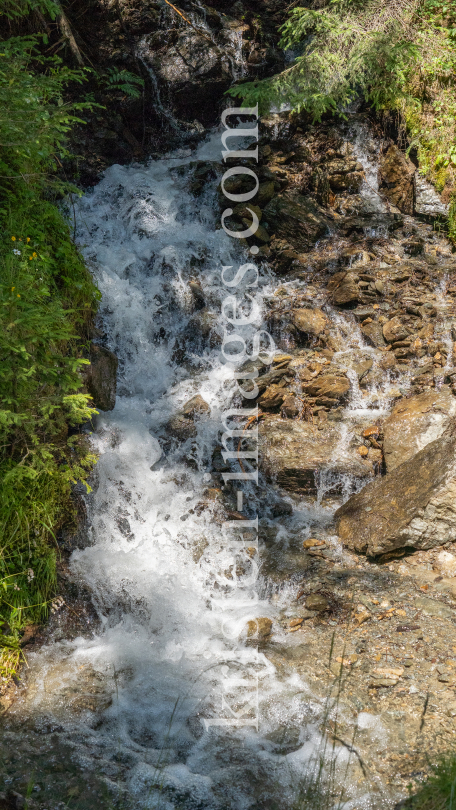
(157,560)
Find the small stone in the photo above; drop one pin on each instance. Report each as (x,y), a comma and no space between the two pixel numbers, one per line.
(260,628)
(312,542)
(317,602)
(373,430)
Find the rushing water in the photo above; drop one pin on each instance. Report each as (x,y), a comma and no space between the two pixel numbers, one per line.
(157,557)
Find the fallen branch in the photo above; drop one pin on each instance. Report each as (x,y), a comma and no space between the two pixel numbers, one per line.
(189,22)
(67,34)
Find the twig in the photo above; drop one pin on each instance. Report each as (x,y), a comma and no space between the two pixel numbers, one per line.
(189,22)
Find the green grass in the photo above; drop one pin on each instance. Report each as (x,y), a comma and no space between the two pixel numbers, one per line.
(439,790)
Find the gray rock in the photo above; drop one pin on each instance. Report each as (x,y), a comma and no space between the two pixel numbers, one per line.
(427,200)
(431,607)
(101,377)
(414,506)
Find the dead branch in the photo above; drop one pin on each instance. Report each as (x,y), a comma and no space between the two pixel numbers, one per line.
(67,34)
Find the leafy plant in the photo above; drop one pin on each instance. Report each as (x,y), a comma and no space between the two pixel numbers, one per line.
(14,9)
(121,79)
(47,301)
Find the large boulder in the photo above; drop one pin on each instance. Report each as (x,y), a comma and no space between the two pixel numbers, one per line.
(300,457)
(297,219)
(412,507)
(396,178)
(414,423)
(101,377)
(194,72)
(182,425)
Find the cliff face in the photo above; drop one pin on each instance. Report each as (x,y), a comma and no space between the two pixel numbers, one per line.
(187,56)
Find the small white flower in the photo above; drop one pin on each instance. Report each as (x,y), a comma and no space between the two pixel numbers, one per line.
(30,575)
(17,252)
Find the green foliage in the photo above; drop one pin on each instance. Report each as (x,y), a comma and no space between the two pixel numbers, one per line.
(123,80)
(47,300)
(14,9)
(34,118)
(350,48)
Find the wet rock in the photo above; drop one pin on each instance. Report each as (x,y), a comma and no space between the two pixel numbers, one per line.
(295,454)
(328,385)
(316,602)
(272,397)
(363,367)
(182,425)
(427,200)
(196,405)
(414,423)
(266,191)
(259,628)
(101,377)
(195,71)
(343,288)
(411,507)
(290,406)
(296,219)
(373,332)
(310,321)
(396,179)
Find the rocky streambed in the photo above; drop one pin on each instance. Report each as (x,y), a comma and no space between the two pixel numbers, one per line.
(355,639)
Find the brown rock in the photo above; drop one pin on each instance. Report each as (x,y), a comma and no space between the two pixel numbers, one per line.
(413,506)
(182,424)
(295,453)
(351,181)
(29,635)
(414,423)
(259,628)
(344,288)
(394,330)
(388,361)
(194,406)
(290,406)
(297,219)
(101,377)
(373,333)
(272,397)
(396,179)
(312,542)
(328,385)
(265,193)
(310,321)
